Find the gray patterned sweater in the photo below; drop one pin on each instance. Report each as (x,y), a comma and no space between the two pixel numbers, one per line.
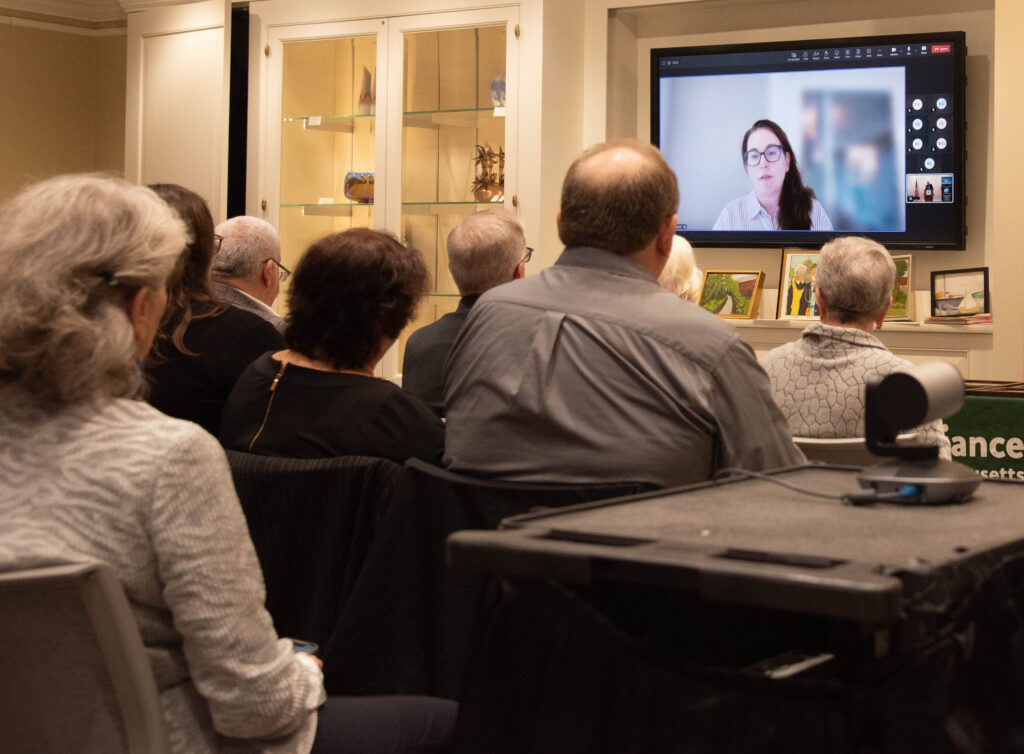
(818,382)
(153,498)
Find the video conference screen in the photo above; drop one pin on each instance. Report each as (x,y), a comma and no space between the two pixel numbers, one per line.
(791,144)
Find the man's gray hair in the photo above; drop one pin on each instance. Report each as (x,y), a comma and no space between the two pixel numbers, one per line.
(484,250)
(73,249)
(248,243)
(856,276)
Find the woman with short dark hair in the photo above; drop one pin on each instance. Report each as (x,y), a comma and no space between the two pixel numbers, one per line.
(352,294)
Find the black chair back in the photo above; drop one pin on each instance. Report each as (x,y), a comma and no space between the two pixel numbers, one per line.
(410,623)
(313,522)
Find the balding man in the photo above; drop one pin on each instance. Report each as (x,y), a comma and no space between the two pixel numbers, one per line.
(247,270)
(590,372)
(484,250)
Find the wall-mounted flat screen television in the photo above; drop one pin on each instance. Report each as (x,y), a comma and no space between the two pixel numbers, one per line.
(790,144)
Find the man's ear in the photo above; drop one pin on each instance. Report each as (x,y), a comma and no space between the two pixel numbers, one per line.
(666,233)
(822,303)
(519,271)
(881,316)
(267,273)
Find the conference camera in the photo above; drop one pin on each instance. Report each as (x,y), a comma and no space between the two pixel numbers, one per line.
(912,471)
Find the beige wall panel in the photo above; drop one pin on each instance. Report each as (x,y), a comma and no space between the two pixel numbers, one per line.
(456,151)
(306,90)
(62,108)
(458,69)
(109,82)
(421,75)
(306,177)
(491,41)
(419,165)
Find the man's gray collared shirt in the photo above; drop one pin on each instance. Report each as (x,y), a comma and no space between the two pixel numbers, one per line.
(590,372)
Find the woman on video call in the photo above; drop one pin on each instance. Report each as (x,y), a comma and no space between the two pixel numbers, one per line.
(779,201)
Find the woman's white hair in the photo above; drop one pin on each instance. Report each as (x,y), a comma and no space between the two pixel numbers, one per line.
(856,276)
(681,275)
(72,250)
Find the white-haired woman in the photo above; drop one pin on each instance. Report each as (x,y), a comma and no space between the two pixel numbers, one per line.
(92,474)
(681,275)
(818,381)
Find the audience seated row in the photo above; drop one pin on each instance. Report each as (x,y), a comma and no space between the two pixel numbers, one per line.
(94,475)
(585,380)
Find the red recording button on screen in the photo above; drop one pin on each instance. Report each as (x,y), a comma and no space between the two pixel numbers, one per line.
(940,48)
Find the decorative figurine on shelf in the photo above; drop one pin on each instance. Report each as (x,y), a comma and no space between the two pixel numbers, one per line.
(489,186)
(498,90)
(501,171)
(366,98)
(359,187)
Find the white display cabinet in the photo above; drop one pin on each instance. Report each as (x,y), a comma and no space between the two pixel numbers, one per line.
(381,123)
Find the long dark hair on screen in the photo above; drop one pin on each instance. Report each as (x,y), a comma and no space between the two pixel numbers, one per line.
(795,200)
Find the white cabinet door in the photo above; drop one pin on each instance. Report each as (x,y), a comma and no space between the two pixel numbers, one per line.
(177,96)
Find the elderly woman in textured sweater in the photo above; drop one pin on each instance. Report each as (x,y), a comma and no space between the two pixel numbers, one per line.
(818,381)
(90,474)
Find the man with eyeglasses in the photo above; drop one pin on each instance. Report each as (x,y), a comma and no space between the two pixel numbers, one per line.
(590,372)
(247,270)
(484,250)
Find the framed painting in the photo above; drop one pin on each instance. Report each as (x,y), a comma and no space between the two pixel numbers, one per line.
(732,294)
(796,287)
(900,309)
(960,293)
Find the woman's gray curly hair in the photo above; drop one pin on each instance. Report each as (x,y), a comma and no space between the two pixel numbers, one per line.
(72,250)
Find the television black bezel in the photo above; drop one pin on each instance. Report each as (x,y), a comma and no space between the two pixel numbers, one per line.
(814,239)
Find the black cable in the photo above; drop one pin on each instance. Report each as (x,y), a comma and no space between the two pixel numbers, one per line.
(862,498)
(733,470)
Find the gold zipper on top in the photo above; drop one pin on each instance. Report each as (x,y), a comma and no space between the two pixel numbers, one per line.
(273,387)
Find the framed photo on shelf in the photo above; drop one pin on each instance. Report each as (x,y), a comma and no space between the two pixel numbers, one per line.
(732,294)
(960,293)
(796,289)
(900,309)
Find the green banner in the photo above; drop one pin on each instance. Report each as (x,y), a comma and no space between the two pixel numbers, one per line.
(987,434)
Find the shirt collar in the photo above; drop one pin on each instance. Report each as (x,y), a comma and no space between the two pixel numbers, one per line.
(467,302)
(604,261)
(819,331)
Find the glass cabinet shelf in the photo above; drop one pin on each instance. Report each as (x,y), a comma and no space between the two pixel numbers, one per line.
(315,209)
(460,118)
(447,208)
(337,123)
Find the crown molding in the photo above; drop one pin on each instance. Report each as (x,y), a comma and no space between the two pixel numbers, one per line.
(130,6)
(96,13)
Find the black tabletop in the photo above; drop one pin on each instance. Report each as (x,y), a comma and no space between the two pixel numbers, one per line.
(752,541)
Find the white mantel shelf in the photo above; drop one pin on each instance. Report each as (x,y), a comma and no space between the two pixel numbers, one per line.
(895,326)
(967,347)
